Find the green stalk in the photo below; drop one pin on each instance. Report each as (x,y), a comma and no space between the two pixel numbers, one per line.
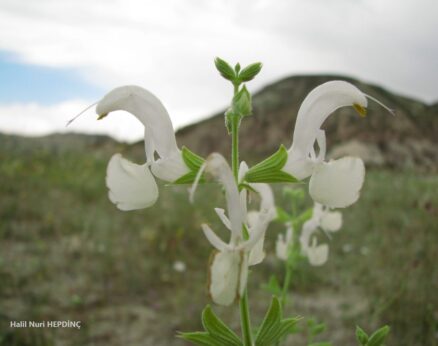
(286,285)
(244,307)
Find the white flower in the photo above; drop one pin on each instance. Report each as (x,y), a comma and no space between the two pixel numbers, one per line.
(229,264)
(179,266)
(336,183)
(133,186)
(323,218)
(284,243)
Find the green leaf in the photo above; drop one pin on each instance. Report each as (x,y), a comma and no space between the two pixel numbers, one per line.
(317,329)
(241,103)
(270,322)
(361,336)
(273,286)
(273,328)
(250,72)
(237,68)
(321,343)
(225,69)
(200,338)
(378,337)
(217,329)
(282,215)
(269,170)
(193,161)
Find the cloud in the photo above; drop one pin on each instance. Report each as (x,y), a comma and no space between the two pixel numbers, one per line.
(169,46)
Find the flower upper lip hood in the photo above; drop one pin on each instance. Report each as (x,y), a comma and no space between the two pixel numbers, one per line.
(146,107)
(316,108)
(335,183)
(132,186)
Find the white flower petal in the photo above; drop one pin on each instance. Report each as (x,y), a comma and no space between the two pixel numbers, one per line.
(214,240)
(225,277)
(258,231)
(257,254)
(317,106)
(318,254)
(266,196)
(170,168)
(337,184)
(331,221)
(225,220)
(219,168)
(243,168)
(131,186)
(159,133)
(281,247)
(298,166)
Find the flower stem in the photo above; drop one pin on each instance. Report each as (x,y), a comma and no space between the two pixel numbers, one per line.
(244,320)
(244,308)
(286,285)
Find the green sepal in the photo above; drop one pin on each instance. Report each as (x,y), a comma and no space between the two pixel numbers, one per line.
(217,329)
(241,103)
(269,170)
(194,163)
(273,327)
(361,336)
(188,178)
(250,72)
(225,69)
(192,160)
(378,337)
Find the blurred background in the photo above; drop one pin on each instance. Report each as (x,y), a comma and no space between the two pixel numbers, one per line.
(136,278)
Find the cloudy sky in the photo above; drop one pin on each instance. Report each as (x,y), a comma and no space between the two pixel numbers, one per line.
(58,56)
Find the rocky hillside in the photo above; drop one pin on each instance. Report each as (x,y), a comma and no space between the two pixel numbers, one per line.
(408,139)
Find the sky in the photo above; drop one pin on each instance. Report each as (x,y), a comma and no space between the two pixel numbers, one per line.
(59,56)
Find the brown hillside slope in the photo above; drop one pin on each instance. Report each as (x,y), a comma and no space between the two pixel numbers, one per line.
(407,139)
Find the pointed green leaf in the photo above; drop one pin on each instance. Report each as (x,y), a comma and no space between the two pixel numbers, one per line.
(237,68)
(217,329)
(273,286)
(318,329)
(378,337)
(282,215)
(250,72)
(200,338)
(225,69)
(270,322)
(361,336)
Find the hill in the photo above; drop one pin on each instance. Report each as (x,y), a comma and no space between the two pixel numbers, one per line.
(408,139)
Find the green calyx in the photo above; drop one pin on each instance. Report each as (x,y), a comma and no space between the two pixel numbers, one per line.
(241,104)
(194,163)
(270,170)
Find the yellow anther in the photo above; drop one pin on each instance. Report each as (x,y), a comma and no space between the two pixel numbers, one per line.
(101,116)
(361,110)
